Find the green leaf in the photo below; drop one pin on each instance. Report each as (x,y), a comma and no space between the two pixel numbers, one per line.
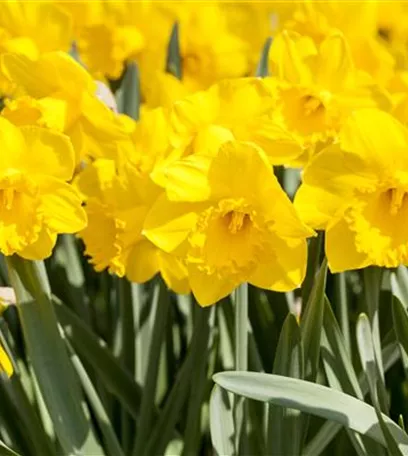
(241,363)
(66,275)
(94,351)
(284,437)
(372,285)
(315,246)
(131,91)
(125,338)
(109,436)
(165,424)
(262,68)
(329,430)
(315,399)
(368,361)
(339,368)
(161,303)
(173,65)
(221,422)
(336,361)
(342,308)
(6,451)
(400,319)
(311,323)
(198,385)
(399,284)
(56,377)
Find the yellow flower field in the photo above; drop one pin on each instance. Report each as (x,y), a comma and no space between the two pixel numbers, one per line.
(203,227)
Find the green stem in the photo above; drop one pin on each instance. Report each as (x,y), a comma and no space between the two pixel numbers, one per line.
(313,263)
(170,414)
(198,383)
(126,340)
(161,304)
(372,286)
(342,309)
(241,361)
(139,346)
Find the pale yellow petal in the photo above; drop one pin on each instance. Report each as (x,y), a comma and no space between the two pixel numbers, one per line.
(286,270)
(61,207)
(377,137)
(209,288)
(168,224)
(49,153)
(41,248)
(142,262)
(341,251)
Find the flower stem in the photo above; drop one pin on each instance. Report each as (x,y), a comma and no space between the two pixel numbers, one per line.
(241,362)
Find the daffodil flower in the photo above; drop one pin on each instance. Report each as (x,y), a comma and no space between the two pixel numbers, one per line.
(36,203)
(317,87)
(117,202)
(232,223)
(357,192)
(66,99)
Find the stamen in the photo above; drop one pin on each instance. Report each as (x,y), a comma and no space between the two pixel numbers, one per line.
(397,199)
(312,105)
(7,198)
(236,221)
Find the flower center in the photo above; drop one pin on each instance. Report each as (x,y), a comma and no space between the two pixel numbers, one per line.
(237,221)
(312,105)
(7,197)
(397,197)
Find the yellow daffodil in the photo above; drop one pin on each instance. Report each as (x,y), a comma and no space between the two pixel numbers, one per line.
(106,46)
(358,21)
(232,109)
(31,29)
(255,21)
(230,227)
(357,192)
(208,57)
(117,202)
(66,100)
(36,203)
(317,87)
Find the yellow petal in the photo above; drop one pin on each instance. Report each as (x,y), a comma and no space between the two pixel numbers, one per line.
(334,68)
(174,273)
(142,262)
(209,288)
(49,153)
(27,73)
(288,52)
(168,224)
(5,363)
(61,206)
(377,137)
(286,271)
(13,147)
(239,170)
(340,172)
(340,247)
(280,145)
(41,248)
(186,180)
(316,206)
